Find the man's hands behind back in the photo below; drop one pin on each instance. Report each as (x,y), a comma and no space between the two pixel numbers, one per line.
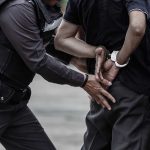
(105,70)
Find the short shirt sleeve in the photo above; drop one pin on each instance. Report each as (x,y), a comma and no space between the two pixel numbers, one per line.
(148,7)
(71,13)
(140,5)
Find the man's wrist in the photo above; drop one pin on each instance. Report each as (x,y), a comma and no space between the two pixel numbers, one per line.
(121,60)
(115,60)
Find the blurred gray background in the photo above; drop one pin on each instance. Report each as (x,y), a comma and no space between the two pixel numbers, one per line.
(61,110)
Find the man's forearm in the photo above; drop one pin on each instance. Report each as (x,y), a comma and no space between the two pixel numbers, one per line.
(133,37)
(66,41)
(76,47)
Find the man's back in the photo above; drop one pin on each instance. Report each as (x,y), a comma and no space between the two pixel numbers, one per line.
(105,22)
(102,21)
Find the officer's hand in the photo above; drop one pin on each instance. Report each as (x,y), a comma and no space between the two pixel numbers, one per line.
(98,93)
(100,59)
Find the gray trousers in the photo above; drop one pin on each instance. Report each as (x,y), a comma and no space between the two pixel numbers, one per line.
(126,127)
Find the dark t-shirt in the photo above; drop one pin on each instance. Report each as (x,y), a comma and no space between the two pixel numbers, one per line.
(105,22)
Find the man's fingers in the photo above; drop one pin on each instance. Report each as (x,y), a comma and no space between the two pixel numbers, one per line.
(100,58)
(99,78)
(98,67)
(108,65)
(98,73)
(111,74)
(99,51)
(108,95)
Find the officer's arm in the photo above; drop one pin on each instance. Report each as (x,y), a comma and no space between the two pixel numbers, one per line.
(19,24)
(66,41)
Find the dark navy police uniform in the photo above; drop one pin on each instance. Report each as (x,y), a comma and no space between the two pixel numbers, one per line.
(26,29)
(127,126)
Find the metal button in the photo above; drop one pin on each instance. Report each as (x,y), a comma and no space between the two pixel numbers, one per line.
(2,98)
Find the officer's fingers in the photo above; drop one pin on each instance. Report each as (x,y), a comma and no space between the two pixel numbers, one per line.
(107,95)
(105,82)
(97,100)
(102,100)
(99,77)
(100,103)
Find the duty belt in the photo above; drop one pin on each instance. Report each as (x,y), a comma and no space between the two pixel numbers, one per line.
(11,94)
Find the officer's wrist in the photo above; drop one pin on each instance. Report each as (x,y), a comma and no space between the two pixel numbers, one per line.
(85,80)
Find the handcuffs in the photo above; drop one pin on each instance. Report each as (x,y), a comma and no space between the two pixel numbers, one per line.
(113,56)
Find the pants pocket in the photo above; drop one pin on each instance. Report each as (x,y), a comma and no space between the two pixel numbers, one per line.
(6,93)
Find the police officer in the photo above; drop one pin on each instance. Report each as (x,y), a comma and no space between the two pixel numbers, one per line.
(26,30)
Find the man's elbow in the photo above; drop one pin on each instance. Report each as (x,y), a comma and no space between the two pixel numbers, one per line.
(58,41)
(138,29)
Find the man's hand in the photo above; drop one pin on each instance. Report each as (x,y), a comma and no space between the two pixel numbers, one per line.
(98,93)
(106,70)
(100,59)
(110,70)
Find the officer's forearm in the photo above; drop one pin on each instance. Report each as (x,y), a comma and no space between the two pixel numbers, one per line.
(56,72)
(133,37)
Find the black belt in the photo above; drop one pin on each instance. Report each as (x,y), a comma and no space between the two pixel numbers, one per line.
(11,83)
(11,93)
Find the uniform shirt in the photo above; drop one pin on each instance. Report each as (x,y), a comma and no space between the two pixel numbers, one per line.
(105,22)
(19,24)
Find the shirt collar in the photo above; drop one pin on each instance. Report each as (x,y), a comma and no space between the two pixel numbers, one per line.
(50,13)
